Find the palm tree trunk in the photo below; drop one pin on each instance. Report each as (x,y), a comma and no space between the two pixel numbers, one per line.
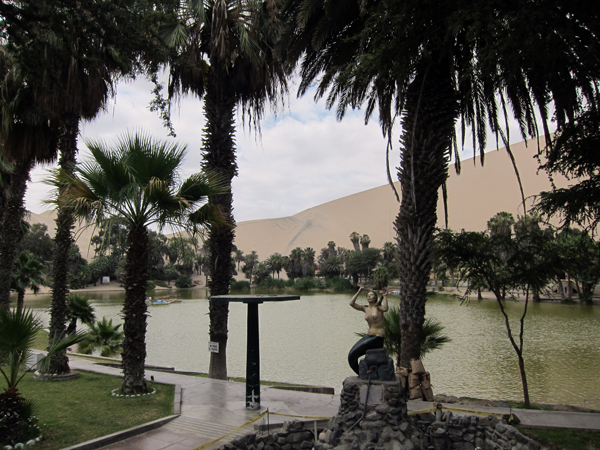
(12,231)
(134,312)
(72,328)
(426,141)
(20,300)
(561,289)
(220,159)
(59,363)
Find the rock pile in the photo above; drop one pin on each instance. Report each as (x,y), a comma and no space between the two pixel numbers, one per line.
(373,416)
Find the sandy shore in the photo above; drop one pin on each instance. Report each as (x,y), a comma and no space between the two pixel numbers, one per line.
(115,286)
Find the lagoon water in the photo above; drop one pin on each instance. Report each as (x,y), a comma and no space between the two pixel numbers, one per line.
(306,341)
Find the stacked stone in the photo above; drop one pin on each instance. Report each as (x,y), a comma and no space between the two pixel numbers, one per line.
(385,425)
(292,436)
(381,426)
(472,433)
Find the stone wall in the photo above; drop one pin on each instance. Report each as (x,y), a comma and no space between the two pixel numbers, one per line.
(385,425)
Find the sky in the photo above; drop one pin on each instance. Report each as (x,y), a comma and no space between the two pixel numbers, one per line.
(302,158)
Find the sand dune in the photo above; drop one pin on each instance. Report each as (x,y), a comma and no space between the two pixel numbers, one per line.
(473,197)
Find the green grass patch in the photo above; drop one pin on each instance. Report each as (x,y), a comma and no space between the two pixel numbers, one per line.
(564,438)
(75,411)
(41,340)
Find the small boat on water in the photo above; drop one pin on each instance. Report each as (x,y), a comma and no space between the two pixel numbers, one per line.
(162,301)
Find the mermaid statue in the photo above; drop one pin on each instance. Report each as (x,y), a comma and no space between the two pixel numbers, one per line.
(374,316)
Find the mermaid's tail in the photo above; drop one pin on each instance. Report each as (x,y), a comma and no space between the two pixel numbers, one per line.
(360,349)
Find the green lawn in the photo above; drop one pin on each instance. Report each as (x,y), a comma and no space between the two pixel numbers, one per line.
(564,438)
(76,411)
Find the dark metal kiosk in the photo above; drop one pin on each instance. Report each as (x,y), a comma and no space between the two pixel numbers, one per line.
(253,347)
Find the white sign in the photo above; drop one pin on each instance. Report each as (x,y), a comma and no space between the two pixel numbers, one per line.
(105,280)
(213,347)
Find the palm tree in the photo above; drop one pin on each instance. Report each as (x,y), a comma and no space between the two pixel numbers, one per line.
(137,181)
(225,55)
(26,137)
(389,251)
(308,261)
(28,274)
(102,336)
(79,308)
(18,329)
(331,249)
(365,240)
(501,224)
(333,267)
(275,263)
(294,263)
(355,238)
(239,258)
(432,64)
(251,261)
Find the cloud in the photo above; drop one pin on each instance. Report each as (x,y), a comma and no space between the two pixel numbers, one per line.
(302,157)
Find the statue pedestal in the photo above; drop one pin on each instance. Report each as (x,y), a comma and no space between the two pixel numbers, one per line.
(376,395)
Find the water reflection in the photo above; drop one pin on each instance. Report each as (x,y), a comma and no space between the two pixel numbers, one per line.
(307,341)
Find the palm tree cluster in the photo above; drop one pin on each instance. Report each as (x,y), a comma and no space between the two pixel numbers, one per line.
(430,65)
(59,61)
(332,263)
(513,257)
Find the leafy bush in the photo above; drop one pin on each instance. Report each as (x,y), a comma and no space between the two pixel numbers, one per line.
(183,282)
(104,337)
(432,338)
(306,283)
(240,285)
(338,284)
(380,277)
(271,283)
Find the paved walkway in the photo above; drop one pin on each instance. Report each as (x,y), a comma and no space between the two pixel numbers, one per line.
(213,412)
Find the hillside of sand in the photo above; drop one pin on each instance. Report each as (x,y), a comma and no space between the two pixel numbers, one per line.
(473,197)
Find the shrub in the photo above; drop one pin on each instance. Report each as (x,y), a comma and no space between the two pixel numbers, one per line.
(183,282)
(380,277)
(306,283)
(271,283)
(338,284)
(240,285)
